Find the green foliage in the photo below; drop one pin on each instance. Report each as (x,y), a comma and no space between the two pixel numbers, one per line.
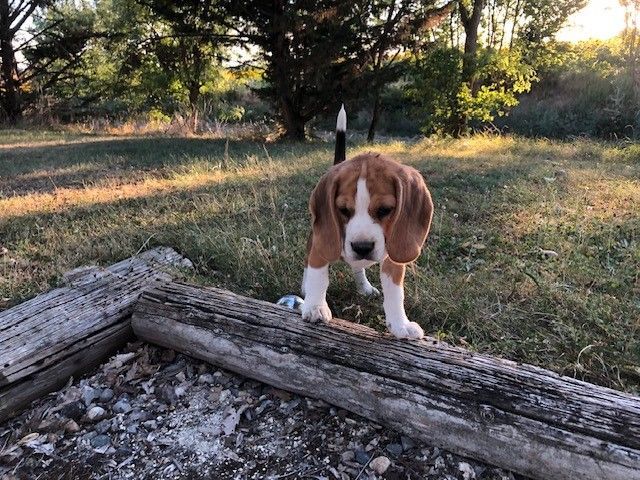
(403,65)
(585,90)
(436,82)
(543,18)
(312,52)
(60,33)
(440,95)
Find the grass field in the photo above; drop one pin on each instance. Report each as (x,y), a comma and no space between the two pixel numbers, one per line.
(487,279)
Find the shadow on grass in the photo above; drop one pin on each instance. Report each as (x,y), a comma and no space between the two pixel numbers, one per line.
(46,168)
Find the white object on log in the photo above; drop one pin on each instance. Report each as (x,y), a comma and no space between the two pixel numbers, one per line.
(519,417)
(69,330)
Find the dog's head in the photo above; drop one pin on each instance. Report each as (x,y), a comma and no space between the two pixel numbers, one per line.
(368,207)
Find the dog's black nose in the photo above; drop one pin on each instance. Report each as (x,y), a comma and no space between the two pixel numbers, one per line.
(363,249)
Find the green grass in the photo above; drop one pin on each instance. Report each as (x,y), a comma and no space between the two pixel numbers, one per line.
(239,211)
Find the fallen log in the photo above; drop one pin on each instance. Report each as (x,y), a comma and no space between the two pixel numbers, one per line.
(519,417)
(71,329)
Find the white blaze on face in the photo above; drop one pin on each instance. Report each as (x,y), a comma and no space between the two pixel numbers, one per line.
(362,228)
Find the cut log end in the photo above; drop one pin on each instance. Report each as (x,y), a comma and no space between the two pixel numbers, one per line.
(69,330)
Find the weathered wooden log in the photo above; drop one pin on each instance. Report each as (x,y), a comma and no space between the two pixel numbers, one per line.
(69,330)
(519,417)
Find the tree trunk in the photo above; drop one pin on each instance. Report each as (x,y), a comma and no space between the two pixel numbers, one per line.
(8,76)
(470,22)
(293,122)
(374,117)
(69,330)
(471,25)
(515,416)
(291,117)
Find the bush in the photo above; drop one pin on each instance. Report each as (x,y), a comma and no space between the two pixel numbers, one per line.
(585,91)
(441,96)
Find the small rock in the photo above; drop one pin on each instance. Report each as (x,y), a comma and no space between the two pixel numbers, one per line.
(348,456)
(106,395)
(468,473)
(439,464)
(103,426)
(206,378)
(95,414)
(88,436)
(394,449)
(380,464)
(100,441)
(167,394)
(73,410)
(71,426)
(123,451)
(479,469)
(88,394)
(150,424)
(122,406)
(548,253)
(407,443)
(133,429)
(361,457)
(139,416)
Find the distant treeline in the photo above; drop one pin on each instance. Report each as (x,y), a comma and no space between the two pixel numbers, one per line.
(401,66)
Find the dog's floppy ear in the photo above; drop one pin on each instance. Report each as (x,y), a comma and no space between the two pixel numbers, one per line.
(412,216)
(326,237)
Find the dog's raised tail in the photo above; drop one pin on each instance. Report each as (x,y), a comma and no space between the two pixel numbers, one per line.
(341,137)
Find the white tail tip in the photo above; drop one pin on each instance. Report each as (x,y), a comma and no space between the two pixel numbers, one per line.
(341,124)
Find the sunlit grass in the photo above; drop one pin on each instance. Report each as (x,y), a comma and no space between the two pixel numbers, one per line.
(239,211)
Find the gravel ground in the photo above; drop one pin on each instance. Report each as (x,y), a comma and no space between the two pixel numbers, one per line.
(151,414)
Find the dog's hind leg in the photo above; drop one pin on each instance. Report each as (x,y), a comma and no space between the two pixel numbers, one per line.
(362,282)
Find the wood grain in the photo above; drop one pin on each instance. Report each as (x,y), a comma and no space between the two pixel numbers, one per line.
(71,329)
(515,416)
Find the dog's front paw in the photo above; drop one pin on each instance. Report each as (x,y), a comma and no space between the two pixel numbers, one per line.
(316,313)
(414,330)
(405,329)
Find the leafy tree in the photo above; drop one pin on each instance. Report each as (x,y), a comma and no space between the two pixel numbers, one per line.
(396,26)
(486,79)
(14,15)
(149,55)
(470,20)
(631,42)
(60,36)
(443,97)
(189,45)
(311,51)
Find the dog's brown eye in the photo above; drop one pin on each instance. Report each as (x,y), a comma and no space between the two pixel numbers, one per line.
(345,211)
(383,212)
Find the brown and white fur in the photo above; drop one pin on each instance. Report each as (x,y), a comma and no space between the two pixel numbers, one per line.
(369,209)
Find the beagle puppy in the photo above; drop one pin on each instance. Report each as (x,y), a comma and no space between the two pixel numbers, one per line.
(369,209)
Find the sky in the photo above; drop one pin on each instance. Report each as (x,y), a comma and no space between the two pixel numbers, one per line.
(600,19)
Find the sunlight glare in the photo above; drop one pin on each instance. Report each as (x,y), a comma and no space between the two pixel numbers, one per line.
(600,19)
